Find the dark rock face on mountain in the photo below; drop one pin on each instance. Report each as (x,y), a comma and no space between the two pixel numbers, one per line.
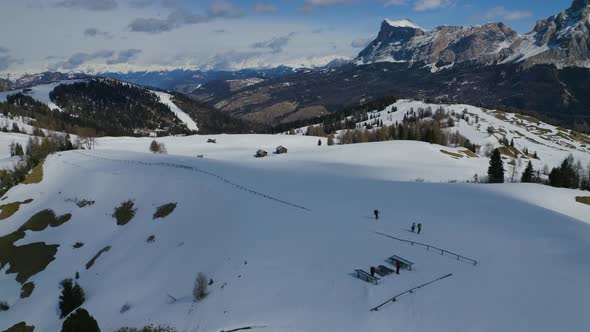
(562,40)
(442,46)
(560,94)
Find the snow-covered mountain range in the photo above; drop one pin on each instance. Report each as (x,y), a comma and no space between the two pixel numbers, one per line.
(561,40)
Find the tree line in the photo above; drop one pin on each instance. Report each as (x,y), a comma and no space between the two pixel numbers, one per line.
(36,150)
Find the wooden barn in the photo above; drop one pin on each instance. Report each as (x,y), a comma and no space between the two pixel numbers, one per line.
(261,154)
(281,150)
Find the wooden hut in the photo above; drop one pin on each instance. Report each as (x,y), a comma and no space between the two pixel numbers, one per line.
(261,154)
(281,150)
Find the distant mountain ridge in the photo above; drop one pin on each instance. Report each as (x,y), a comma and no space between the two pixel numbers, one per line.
(561,40)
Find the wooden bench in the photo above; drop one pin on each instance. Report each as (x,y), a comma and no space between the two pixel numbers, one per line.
(405,264)
(384,270)
(366,276)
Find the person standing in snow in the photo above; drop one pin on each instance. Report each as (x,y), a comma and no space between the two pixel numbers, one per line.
(373,270)
(419,228)
(398,265)
(376,212)
(413,227)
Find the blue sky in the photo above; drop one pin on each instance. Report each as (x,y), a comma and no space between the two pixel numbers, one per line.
(96,35)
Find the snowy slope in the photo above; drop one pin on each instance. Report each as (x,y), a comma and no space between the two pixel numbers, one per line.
(290,269)
(552,144)
(40,93)
(166,100)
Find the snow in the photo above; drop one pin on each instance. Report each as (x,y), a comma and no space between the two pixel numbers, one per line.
(40,93)
(298,275)
(165,99)
(279,266)
(405,23)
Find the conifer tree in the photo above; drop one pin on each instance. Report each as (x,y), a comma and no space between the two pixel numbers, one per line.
(527,176)
(72,296)
(496,169)
(80,321)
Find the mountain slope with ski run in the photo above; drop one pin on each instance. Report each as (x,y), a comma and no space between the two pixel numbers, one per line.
(42,92)
(281,237)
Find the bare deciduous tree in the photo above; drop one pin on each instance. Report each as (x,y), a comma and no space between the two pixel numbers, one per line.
(200,287)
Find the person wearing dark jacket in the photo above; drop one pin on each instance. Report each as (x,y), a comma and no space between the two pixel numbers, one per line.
(373,270)
(376,212)
(419,228)
(398,266)
(413,227)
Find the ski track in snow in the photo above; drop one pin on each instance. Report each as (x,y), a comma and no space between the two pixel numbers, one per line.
(198,170)
(180,114)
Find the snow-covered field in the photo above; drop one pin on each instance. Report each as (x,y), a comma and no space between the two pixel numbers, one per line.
(281,237)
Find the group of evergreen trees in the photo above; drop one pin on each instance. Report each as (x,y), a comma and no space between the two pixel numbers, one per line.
(344,119)
(115,108)
(37,149)
(570,174)
(71,298)
(431,130)
(25,107)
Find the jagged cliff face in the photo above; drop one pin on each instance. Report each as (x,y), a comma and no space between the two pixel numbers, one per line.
(442,46)
(562,40)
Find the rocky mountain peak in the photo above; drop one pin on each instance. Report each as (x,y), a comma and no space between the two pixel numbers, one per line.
(406,41)
(580,5)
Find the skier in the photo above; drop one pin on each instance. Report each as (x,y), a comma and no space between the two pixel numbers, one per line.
(419,228)
(376,212)
(398,265)
(413,227)
(373,270)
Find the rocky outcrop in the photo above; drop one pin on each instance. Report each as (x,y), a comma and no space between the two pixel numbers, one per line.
(442,46)
(562,40)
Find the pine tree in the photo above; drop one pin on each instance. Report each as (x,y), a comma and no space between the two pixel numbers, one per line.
(18,150)
(80,321)
(496,169)
(527,176)
(72,296)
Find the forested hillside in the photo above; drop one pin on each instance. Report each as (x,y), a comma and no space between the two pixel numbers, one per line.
(115,108)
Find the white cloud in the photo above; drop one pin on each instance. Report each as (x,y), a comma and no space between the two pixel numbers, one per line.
(264,8)
(275,44)
(93,5)
(501,12)
(223,8)
(311,5)
(421,5)
(361,42)
(388,3)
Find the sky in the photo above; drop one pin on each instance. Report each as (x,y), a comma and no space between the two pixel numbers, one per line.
(133,35)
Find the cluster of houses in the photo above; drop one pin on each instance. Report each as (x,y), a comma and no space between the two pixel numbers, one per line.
(280,150)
